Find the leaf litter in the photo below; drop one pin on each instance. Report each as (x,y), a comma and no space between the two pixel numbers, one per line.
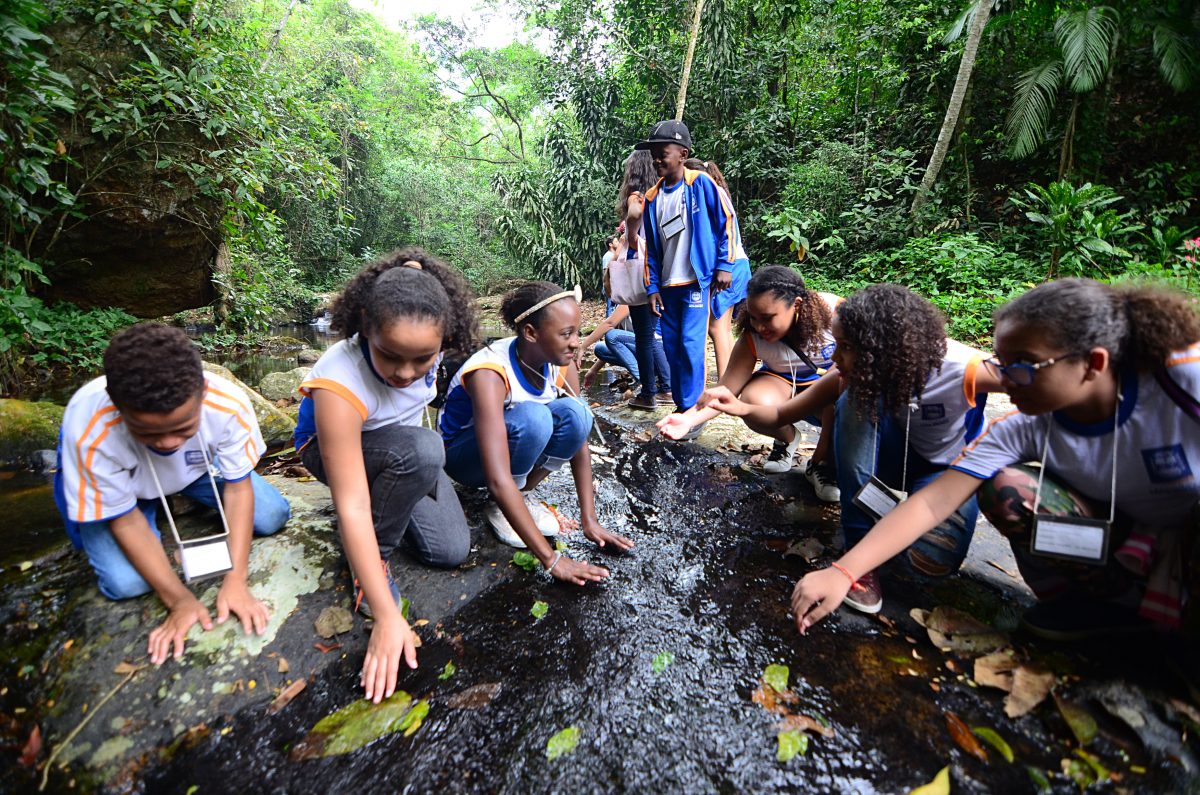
(359,724)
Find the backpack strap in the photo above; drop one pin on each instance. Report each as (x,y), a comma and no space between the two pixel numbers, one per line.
(1178,394)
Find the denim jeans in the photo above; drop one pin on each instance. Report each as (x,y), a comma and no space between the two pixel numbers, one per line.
(653,370)
(413,503)
(937,553)
(619,348)
(539,436)
(117,577)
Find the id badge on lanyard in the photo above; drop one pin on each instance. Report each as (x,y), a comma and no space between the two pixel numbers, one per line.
(1075,538)
(673,226)
(876,498)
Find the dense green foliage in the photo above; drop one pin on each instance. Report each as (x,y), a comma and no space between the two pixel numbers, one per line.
(312,136)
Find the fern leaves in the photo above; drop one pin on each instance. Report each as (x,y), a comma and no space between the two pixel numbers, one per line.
(1029,116)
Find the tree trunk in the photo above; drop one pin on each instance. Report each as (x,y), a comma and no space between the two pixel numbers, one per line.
(965,67)
(1066,156)
(687,61)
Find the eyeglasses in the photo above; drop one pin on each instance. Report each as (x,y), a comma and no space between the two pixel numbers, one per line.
(1022,373)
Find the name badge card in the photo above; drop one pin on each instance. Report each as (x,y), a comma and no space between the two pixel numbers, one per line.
(674,226)
(205,557)
(1071,538)
(877,499)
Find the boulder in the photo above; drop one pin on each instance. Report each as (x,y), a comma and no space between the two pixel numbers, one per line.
(276,426)
(282,344)
(308,356)
(27,429)
(282,386)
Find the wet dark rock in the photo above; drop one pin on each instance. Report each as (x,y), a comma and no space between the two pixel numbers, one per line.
(308,357)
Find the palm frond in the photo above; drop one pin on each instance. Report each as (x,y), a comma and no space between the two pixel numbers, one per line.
(1086,39)
(1036,95)
(1174,49)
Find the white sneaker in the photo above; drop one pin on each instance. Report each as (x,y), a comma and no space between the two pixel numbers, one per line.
(782,455)
(543,517)
(824,482)
(501,526)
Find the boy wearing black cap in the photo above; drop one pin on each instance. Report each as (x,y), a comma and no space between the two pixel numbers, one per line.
(690,253)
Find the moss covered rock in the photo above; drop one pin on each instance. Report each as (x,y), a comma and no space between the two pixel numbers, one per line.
(283,386)
(276,426)
(25,428)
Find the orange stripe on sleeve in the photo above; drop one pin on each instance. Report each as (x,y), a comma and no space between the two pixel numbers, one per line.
(979,438)
(1182,360)
(494,367)
(236,415)
(969,379)
(240,402)
(91,454)
(338,389)
(84,474)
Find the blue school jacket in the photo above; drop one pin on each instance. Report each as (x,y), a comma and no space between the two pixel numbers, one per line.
(714,230)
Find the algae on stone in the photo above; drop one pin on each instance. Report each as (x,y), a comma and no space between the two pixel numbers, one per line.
(26,427)
(359,724)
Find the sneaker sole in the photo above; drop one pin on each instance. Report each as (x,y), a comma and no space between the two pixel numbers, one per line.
(868,609)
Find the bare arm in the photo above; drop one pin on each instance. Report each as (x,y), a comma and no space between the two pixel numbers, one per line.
(235,596)
(606,325)
(810,402)
(820,592)
(737,374)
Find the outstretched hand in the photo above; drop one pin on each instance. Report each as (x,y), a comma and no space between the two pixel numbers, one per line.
(577,572)
(601,537)
(171,633)
(724,401)
(674,426)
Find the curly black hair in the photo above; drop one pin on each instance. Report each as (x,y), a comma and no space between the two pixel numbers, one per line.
(898,340)
(408,282)
(152,367)
(639,177)
(813,317)
(518,300)
(1139,325)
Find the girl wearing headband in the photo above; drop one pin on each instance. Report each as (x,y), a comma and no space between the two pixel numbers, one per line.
(787,327)
(512,416)
(1105,380)
(361,431)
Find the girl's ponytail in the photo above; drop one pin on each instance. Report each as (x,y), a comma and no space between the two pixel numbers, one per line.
(1160,322)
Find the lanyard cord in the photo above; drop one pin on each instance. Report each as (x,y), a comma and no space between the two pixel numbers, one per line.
(1112,510)
(163,497)
(875,450)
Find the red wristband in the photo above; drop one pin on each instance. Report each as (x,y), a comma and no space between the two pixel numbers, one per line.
(846,571)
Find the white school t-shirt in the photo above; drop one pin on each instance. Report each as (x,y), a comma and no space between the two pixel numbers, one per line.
(104,470)
(779,357)
(676,250)
(949,413)
(458,413)
(345,369)
(1157,446)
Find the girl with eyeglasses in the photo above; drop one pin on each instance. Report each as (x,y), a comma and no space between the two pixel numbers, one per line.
(1105,381)
(912,399)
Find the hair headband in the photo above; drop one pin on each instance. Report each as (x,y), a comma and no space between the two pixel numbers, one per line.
(412,263)
(577,294)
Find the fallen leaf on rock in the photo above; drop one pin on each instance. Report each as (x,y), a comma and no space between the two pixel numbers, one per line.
(539,610)
(939,786)
(995,669)
(1030,687)
(790,743)
(360,724)
(32,749)
(810,549)
(1102,772)
(525,560)
(1080,721)
(661,661)
(992,738)
(562,742)
(1079,772)
(777,677)
(334,620)
(475,697)
(953,630)
(26,565)
(286,695)
(1038,777)
(805,724)
(283,665)
(125,668)
(963,738)
(420,622)
(325,648)
(773,700)
(447,671)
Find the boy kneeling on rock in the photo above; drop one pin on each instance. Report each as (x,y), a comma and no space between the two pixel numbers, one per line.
(156,424)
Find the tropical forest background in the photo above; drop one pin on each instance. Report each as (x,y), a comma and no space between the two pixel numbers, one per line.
(273,146)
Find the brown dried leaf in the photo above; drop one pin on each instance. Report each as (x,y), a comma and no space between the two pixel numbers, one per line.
(953,630)
(33,748)
(325,648)
(1030,687)
(125,668)
(475,697)
(772,700)
(962,735)
(286,695)
(995,670)
(805,724)
(283,665)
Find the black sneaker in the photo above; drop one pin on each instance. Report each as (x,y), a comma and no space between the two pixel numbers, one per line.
(1074,617)
(642,402)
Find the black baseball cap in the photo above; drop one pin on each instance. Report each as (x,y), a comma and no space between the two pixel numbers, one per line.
(668,132)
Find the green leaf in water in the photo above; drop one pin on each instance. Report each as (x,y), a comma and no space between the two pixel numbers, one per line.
(1078,772)
(525,560)
(790,744)
(563,742)
(1102,772)
(1082,724)
(404,605)
(448,671)
(939,786)
(192,789)
(539,609)
(777,677)
(661,661)
(993,739)
(1038,778)
(560,546)
(359,724)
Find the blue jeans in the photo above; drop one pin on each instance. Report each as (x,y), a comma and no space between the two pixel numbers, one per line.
(653,370)
(118,579)
(619,348)
(937,553)
(539,435)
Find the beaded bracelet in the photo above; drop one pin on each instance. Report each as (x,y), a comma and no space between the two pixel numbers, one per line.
(844,570)
(550,568)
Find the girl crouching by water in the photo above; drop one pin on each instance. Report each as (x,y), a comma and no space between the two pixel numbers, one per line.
(1105,381)
(511,418)
(360,432)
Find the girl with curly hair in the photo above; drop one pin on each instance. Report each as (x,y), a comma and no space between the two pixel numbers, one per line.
(913,398)
(1105,381)
(788,328)
(512,416)
(361,431)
